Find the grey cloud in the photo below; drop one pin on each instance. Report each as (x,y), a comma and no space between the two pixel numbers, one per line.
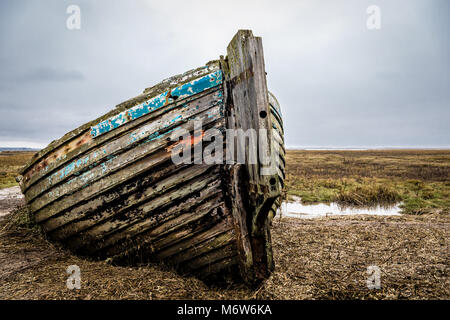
(51,74)
(338,83)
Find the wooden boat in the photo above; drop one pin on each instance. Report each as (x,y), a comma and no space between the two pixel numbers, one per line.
(111,190)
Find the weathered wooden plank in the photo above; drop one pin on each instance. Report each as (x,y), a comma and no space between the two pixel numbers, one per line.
(246,79)
(216,267)
(115,179)
(47,154)
(239,213)
(118,169)
(128,237)
(214,223)
(275,107)
(211,257)
(46,167)
(133,204)
(136,140)
(247,105)
(188,250)
(152,241)
(187,224)
(164,193)
(181,92)
(110,198)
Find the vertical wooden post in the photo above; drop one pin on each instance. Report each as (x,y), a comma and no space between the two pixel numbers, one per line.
(248,109)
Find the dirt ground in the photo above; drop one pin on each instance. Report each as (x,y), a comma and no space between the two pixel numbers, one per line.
(324,258)
(10,199)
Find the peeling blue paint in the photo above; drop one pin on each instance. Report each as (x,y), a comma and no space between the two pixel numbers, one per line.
(156,135)
(175,119)
(181,92)
(81,167)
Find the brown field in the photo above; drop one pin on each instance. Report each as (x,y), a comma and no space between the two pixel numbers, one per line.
(10,164)
(324,258)
(419,178)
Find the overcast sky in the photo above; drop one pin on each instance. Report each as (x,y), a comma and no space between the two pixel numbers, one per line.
(338,83)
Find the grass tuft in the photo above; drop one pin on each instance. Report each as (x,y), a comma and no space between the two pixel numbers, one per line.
(368,195)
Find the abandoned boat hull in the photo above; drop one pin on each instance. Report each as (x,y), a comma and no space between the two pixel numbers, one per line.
(110,189)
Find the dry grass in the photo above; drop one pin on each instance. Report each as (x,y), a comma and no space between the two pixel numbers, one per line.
(328,258)
(315,259)
(10,164)
(33,268)
(323,258)
(424,165)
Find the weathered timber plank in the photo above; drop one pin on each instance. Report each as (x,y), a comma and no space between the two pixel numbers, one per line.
(135,141)
(248,108)
(120,166)
(135,205)
(211,257)
(213,223)
(128,237)
(182,253)
(43,170)
(184,91)
(209,225)
(111,197)
(99,186)
(73,135)
(247,84)
(239,214)
(101,230)
(102,188)
(216,267)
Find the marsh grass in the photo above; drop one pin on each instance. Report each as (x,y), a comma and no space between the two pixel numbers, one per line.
(420,179)
(323,258)
(10,164)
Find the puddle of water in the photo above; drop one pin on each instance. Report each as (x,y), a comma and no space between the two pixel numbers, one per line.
(297,209)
